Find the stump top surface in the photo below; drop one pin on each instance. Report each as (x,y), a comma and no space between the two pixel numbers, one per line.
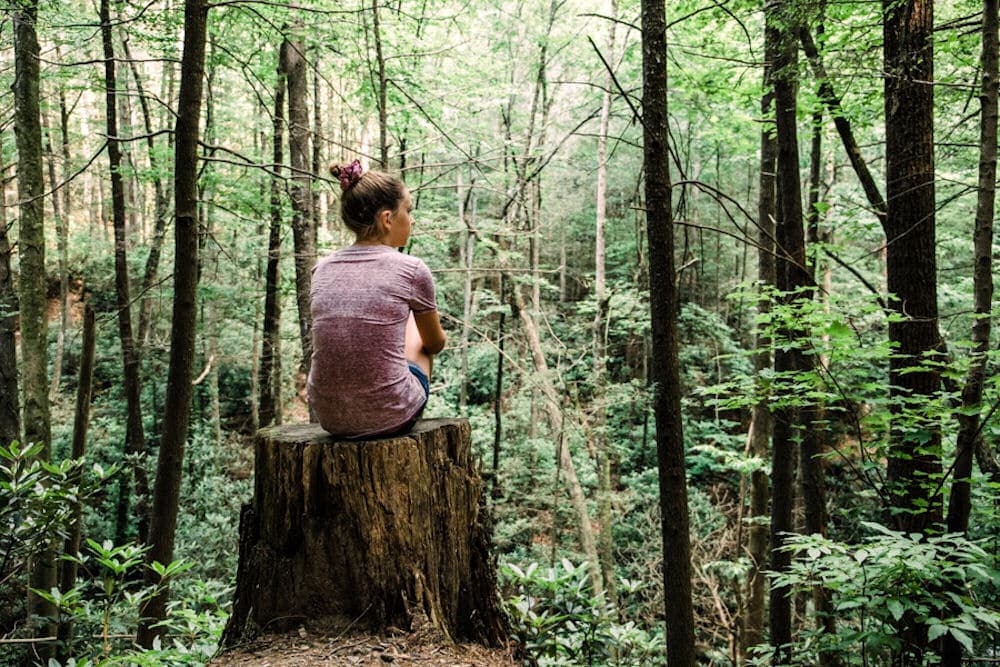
(298,433)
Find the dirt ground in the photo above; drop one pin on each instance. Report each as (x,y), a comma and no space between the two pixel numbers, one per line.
(300,649)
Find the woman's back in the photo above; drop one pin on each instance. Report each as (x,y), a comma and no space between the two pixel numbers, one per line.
(359,382)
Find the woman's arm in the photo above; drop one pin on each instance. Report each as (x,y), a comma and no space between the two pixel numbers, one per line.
(429,326)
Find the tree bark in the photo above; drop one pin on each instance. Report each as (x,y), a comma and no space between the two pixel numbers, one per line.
(59,215)
(270,353)
(914,457)
(135,441)
(762,421)
(31,252)
(317,148)
(791,274)
(665,375)
(81,423)
(391,532)
(293,65)
(10,406)
(915,450)
(605,515)
(468,250)
(160,207)
(829,97)
(383,130)
(177,409)
(811,470)
(554,413)
(969,419)
(498,397)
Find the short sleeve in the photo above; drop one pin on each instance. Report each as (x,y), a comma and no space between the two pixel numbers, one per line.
(422,298)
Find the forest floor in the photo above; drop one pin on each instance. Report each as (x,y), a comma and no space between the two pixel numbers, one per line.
(298,649)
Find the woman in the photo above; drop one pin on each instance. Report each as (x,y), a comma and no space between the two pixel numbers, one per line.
(375,321)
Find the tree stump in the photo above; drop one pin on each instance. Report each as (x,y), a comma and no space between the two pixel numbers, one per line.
(367,535)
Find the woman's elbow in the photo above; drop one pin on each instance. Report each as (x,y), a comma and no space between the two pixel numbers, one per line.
(436,345)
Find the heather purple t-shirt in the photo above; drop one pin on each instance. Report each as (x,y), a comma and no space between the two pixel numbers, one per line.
(359,382)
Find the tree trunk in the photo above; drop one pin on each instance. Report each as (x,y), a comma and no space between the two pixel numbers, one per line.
(605,516)
(811,469)
(915,437)
(791,273)
(10,408)
(60,218)
(383,130)
(554,413)
(829,97)
(293,65)
(31,252)
(969,419)
(317,152)
(160,208)
(467,256)
(498,397)
(391,532)
(762,422)
(81,423)
(177,410)
(270,376)
(665,375)
(135,442)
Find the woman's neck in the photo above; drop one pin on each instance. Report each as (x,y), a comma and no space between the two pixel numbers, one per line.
(369,242)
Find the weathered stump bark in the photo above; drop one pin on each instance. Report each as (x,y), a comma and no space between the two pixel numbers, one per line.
(366,535)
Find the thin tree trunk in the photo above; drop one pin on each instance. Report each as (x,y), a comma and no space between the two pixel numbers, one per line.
(665,375)
(293,65)
(81,423)
(135,442)
(383,131)
(317,146)
(31,252)
(762,422)
(467,256)
(811,469)
(969,418)
(553,411)
(62,233)
(10,408)
(605,517)
(843,125)
(270,352)
(498,397)
(177,410)
(58,213)
(161,206)
(813,214)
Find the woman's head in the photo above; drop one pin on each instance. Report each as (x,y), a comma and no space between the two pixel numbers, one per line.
(367,197)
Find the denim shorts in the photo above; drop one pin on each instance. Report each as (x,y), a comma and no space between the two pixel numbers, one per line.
(420,375)
(425,383)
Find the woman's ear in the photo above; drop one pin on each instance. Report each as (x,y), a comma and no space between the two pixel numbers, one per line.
(384,220)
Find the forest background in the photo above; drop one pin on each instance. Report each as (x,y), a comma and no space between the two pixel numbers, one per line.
(518,127)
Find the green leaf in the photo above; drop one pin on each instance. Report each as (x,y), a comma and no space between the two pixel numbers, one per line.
(896,609)
(962,638)
(936,631)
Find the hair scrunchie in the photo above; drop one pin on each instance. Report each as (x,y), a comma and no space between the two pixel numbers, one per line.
(348,175)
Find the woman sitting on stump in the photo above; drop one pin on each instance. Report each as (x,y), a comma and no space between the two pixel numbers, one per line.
(375,319)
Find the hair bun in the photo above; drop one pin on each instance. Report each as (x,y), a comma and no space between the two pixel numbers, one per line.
(348,175)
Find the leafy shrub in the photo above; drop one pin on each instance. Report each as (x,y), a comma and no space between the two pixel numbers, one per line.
(560,621)
(891,581)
